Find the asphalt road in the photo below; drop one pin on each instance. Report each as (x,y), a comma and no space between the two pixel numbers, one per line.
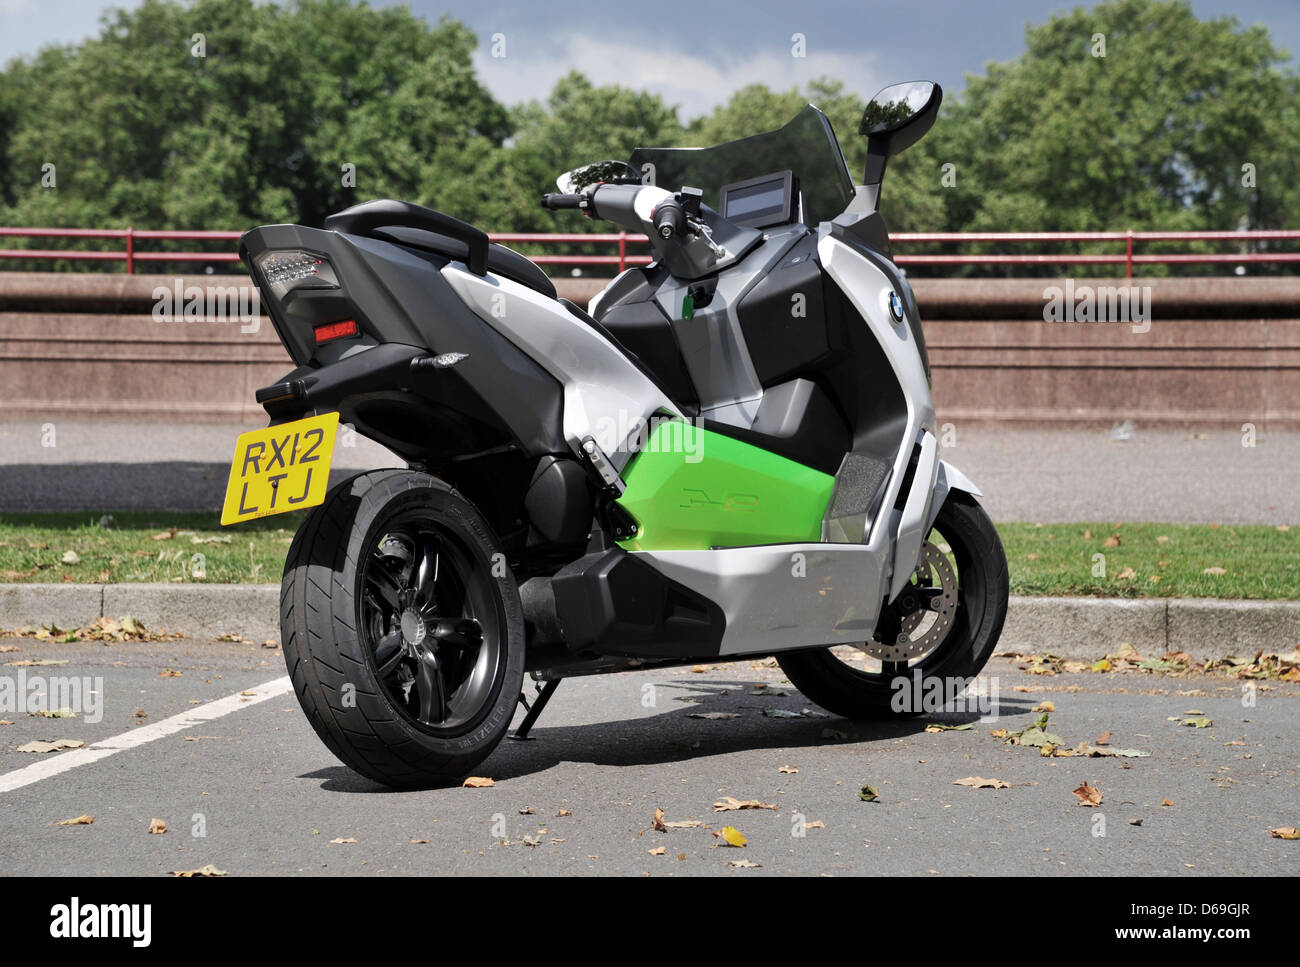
(269,798)
(1034,475)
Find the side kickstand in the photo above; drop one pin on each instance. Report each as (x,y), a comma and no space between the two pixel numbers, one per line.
(543,696)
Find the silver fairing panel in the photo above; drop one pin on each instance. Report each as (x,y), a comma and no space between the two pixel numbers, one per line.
(782,596)
(605,395)
(895,536)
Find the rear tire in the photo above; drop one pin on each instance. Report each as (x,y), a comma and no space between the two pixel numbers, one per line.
(358,659)
(981,609)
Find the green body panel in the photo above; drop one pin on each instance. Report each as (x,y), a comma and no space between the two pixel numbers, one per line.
(692,489)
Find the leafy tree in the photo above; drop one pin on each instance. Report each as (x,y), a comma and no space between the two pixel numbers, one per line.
(578,124)
(258,129)
(1150,136)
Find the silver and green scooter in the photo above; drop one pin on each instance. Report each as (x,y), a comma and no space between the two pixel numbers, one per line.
(730,453)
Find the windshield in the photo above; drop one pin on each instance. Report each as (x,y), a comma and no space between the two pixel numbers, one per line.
(805,145)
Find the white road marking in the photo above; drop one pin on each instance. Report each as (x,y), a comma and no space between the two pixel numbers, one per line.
(64,761)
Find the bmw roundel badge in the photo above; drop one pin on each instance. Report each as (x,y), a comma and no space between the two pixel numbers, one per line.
(895,306)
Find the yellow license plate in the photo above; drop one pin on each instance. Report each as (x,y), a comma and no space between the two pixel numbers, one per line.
(281,468)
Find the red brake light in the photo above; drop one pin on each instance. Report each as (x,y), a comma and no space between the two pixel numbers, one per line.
(335,330)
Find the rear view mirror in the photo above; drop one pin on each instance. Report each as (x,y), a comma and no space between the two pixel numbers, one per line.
(895,119)
(598,172)
(892,108)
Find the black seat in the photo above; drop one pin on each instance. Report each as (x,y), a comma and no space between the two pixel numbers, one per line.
(423,228)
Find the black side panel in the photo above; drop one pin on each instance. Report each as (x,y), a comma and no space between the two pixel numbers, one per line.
(798,421)
(635,285)
(784,317)
(559,500)
(861,381)
(613,603)
(495,396)
(644,330)
(868,236)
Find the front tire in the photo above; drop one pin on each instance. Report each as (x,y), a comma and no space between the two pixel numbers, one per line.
(842,687)
(402,628)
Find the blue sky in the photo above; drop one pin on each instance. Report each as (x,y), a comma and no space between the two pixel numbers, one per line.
(694,53)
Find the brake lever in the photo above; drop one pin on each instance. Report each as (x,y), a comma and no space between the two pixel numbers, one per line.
(698,227)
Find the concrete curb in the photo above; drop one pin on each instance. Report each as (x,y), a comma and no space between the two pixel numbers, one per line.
(1078,628)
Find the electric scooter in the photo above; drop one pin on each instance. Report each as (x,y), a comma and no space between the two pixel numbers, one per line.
(729,453)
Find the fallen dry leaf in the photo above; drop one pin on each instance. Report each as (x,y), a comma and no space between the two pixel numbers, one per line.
(979,782)
(477,782)
(170,673)
(658,821)
(713,715)
(657,851)
(743,864)
(731,836)
(157,827)
(1166,802)
(787,770)
(82,820)
(564,812)
(208,870)
(728,803)
(417,842)
(815,824)
(57,745)
(684,824)
(699,669)
(1088,795)
(1102,739)
(1285,832)
(341,840)
(1216,571)
(528,811)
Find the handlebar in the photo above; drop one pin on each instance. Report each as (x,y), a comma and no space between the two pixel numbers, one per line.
(558,202)
(669,219)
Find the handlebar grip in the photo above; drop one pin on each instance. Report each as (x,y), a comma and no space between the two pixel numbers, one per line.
(669,219)
(558,202)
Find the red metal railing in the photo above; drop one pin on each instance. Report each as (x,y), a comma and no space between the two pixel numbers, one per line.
(131,255)
(1128,258)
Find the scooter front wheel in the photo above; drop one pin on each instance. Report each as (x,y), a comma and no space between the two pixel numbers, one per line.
(942,628)
(402,628)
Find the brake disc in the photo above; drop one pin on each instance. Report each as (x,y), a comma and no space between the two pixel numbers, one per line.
(935,572)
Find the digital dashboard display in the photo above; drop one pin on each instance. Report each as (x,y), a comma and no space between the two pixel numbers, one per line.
(759,198)
(760,202)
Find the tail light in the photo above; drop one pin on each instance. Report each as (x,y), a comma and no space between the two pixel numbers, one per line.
(286,269)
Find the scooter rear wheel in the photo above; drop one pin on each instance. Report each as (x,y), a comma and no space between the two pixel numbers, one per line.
(403,631)
(855,690)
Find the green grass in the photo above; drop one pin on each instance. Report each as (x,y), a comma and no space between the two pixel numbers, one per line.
(1166,560)
(200,550)
(1153,560)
